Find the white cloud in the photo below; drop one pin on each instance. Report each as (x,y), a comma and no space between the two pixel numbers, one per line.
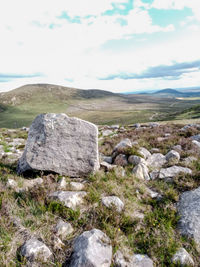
(73,51)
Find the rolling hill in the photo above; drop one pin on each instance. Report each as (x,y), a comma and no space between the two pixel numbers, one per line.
(20,106)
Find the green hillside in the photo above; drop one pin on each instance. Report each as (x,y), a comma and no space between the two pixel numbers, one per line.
(20,106)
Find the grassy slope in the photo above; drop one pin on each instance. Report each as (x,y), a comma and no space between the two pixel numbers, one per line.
(20,106)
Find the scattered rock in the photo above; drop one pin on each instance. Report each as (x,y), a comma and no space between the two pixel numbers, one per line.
(106,166)
(122,146)
(115,127)
(106,159)
(173,171)
(161,139)
(76,186)
(144,152)
(141,171)
(92,248)
(195,137)
(119,171)
(172,157)
(136,125)
(196,143)
(154,174)
(189,211)
(111,201)
(70,199)
(63,229)
(155,150)
(178,148)
(62,183)
(133,159)
(24,185)
(183,258)
(152,193)
(56,139)
(35,250)
(31,183)
(57,243)
(140,260)
(156,160)
(107,133)
(189,160)
(137,260)
(121,160)
(12,184)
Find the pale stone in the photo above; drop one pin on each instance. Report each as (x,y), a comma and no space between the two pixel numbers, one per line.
(63,229)
(172,157)
(133,159)
(182,257)
(93,249)
(76,186)
(173,171)
(144,152)
(141,171)
(156,160)
(70,199)
(137,260)
(111,201)
(122,146)
(189,212)
(34,250)
(61,144)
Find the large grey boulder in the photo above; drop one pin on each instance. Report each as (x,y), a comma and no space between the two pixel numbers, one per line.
(92,249)
(189,211)
(70,199)
(61,144)
(35,250)
(183,258)
(173,171)
(156,160)
(113,201)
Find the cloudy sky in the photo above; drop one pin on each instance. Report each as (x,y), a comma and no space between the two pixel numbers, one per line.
(116,45)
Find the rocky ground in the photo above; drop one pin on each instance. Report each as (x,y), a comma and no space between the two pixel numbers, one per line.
(142,208)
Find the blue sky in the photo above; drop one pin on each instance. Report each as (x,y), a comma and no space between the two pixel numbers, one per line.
(116,45)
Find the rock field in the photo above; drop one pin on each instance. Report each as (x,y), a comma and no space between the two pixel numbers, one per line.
(74,194)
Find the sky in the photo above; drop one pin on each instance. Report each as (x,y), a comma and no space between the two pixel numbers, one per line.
(115,45)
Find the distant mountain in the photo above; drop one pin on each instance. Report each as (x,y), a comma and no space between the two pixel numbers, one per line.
(168,92)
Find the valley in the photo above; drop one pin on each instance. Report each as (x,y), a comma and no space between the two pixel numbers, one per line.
(19,107)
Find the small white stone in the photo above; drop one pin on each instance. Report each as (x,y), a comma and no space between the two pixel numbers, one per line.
(111,201)
(63,229)
(62,183)
(70,199)
(34,249)
(75,186)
